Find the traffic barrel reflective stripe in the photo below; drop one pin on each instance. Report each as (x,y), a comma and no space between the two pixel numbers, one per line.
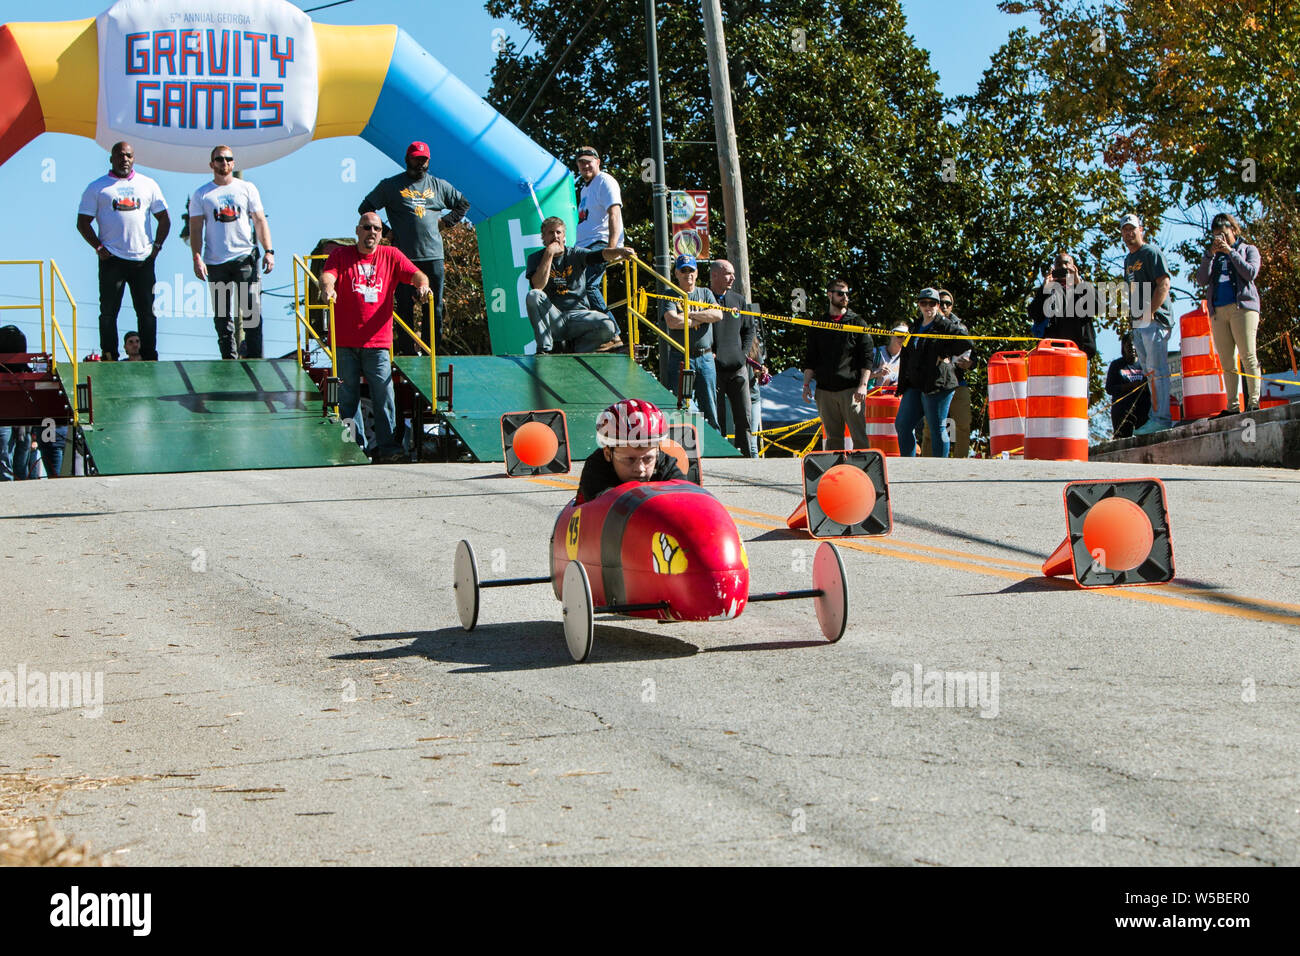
(881,412)
(1056,421)
(1204,390)
(1007,401)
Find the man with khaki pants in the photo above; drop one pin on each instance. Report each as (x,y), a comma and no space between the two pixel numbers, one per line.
(1228,270)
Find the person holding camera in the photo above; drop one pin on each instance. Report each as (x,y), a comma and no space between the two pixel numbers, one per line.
(1063,308)
(1229,268)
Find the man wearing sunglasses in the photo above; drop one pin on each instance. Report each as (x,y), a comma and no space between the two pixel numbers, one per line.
(224,215)
(359,280)
(840,363)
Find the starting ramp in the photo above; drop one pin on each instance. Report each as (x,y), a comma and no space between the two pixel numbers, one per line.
(163,417)
(485,387)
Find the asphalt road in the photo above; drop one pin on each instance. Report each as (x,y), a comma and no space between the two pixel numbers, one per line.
(285,681)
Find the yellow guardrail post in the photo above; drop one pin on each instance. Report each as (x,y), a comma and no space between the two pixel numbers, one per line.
(334,352)
(57,332)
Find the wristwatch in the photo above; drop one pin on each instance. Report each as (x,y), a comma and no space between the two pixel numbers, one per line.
(269,252)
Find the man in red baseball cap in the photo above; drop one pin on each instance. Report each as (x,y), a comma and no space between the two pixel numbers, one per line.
(414,202)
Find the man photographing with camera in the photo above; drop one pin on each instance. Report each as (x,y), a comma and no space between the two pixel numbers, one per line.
(1063,308)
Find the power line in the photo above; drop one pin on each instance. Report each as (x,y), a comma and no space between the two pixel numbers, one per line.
(600,5)
(326,6)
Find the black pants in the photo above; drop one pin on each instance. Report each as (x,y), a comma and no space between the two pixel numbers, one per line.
(237,293)
(403,344)
(114,274)
(733,390)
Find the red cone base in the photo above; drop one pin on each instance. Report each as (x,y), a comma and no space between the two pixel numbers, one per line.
(798,518)
(1061,560)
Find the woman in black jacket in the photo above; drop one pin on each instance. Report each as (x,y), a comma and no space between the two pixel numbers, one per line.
(927,377)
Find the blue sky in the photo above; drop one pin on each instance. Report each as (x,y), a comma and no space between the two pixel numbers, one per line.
(305,194)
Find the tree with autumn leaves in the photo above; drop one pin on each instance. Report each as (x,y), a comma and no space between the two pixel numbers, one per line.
(1195,105)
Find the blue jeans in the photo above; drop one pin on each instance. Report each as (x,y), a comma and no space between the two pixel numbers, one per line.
(912,405)
(1152,347)
(374,364)
(52,451)
(15,453)
(706,383)
(755,416)
(595,272)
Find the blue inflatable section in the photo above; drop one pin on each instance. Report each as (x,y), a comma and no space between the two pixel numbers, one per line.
(473,146)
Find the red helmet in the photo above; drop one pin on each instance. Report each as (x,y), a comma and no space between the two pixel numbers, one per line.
(630,422)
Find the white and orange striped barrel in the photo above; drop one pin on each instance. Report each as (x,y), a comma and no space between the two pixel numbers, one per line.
(1056,422)
(1204,393)
(1008,384)
(881,412)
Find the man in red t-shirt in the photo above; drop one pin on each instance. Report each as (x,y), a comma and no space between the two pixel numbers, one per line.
(360,281)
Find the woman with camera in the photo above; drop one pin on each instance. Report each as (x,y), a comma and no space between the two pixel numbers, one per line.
(1229,268)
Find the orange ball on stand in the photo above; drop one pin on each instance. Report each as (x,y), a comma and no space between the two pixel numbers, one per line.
(1117,533)
(535,444)
(846,494)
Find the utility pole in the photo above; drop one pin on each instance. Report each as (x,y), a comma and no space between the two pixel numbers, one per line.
(659,189)
(733,195)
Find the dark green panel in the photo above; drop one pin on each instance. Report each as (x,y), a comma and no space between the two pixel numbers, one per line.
(484,387)
(158,417)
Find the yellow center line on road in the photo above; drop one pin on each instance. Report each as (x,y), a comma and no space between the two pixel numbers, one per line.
(979,564)
(1132,594)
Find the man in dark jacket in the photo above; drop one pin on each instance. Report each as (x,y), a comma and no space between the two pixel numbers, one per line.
(840,363)
(927,376)
(732,337)
(1064,307)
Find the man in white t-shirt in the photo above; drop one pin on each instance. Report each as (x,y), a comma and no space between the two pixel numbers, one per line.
(224,215)
(600,219)
(120,205)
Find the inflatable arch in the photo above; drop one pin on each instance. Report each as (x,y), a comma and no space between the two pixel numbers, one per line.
(263,77)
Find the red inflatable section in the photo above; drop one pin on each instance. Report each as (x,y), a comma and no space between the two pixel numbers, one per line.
(21,119)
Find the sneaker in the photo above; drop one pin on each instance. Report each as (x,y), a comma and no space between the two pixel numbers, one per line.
(1230,410)
(1151,427)
(1252,406)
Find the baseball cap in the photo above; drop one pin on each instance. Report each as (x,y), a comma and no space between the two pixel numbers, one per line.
(685,262)
(928,293)
(418,149)
(587,151)
(1130,220)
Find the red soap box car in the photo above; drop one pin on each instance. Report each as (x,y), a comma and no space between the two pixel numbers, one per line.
(668,551)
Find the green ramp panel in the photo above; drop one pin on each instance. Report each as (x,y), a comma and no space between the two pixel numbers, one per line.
(164,417)
(485,387)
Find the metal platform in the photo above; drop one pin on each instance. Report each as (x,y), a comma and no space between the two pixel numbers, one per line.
(484,387)
(163,417)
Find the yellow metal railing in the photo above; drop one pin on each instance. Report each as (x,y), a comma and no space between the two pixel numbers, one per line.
(56,332)
(637,306)
(302,307)
(40,281)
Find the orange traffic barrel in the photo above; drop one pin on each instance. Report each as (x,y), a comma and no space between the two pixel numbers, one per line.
(1008,384)
(1204,393)
(882,411)
(1056,422)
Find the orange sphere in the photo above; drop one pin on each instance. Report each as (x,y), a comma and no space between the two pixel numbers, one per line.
(846,494)
(535,444)
(674,450)
(1117,533)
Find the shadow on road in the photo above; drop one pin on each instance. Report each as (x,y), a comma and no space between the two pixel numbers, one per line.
(521,646)
(1031,586)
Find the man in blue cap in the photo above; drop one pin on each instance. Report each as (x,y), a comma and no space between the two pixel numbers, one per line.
(701,338)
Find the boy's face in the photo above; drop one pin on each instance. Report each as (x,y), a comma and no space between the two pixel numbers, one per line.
(633,462)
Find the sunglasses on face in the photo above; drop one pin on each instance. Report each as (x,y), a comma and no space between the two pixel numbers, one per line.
(223,159)
(372,228)
(839,291)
